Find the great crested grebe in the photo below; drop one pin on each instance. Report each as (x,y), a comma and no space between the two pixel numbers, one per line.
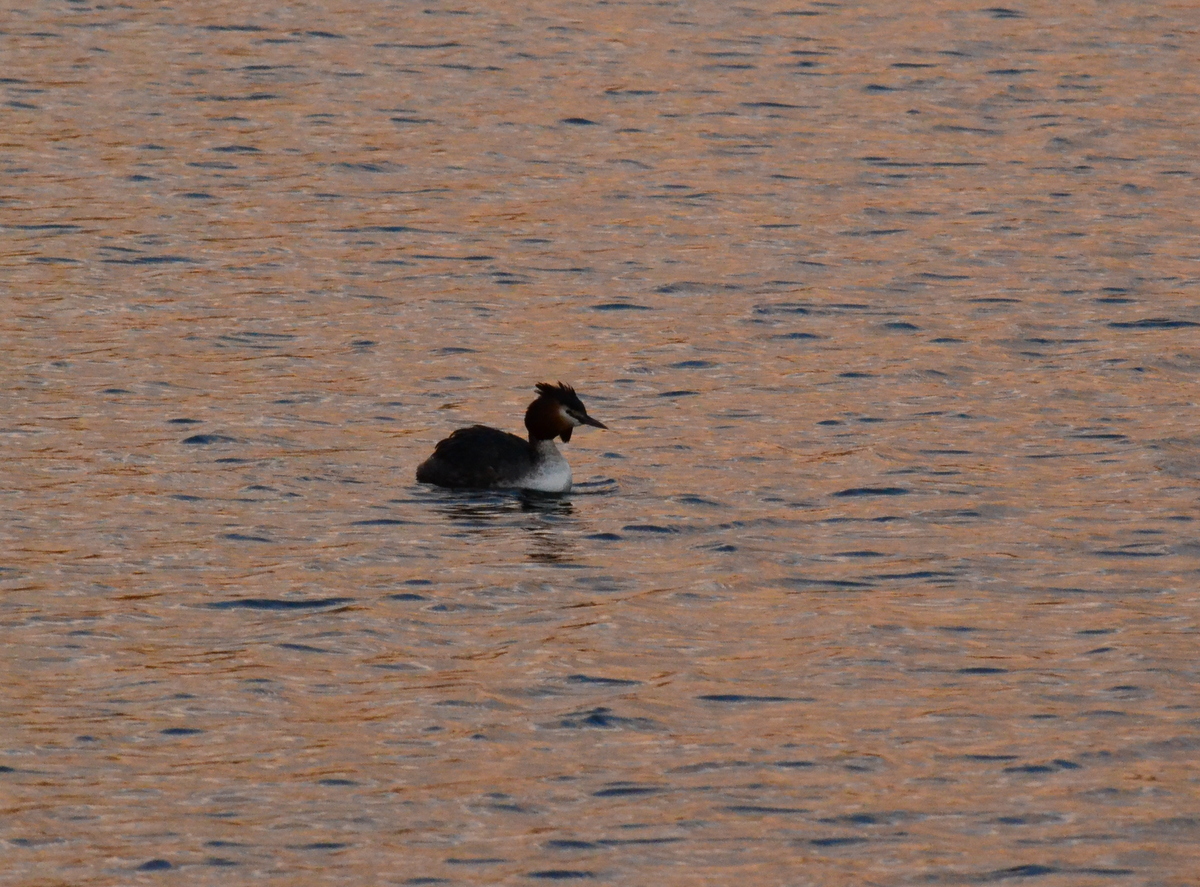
(480,457)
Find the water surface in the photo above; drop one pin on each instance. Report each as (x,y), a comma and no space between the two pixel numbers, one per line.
(886,572)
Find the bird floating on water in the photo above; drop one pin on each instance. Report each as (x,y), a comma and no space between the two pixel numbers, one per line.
(480,457)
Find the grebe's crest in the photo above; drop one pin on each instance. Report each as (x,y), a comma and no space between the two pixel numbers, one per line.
(564,394)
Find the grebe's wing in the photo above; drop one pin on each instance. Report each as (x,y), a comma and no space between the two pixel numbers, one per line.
(478,457)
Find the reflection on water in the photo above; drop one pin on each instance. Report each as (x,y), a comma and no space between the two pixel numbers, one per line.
(545,519)
(884,574)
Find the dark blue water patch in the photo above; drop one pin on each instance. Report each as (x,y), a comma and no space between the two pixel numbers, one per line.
(568,844)
(802,583)
(363,167)
(794,765)
(1128,552)
(55,227)
(648,528)
(185,497)
(578,121)
(875,160)
(872,232)
(202,440)
(197,195)
(626,789)
(831,422)
(878,87)
(795,337)
(1095,631)
(212,164)
(786,308)
(856,492)
(698,500)
(1049,767)
(380,522)
(692,365)
(863,552)
(416,881)
(602,718)
(562,874)
(260,603)
(336,782)
(620,306)
(915,574)
(235,149)
(303,648)
(946,340)
(407,596)
(155,865)
(680,393)
(764,810)
(836,842)
(255,337)
(151,260)
(743,698)
(219,861)
(116,391)
(600,681)
(851,374)
(381,229)
(55,260)
(180,731)
(249,97)
(981,669)
(1152,323)
(245,537)
(688,287)
(322,845)
(775,105)
(474,860)
(901,325)
(603,537)
(183,421)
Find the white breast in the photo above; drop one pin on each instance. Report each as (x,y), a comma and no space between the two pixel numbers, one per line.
(551,474)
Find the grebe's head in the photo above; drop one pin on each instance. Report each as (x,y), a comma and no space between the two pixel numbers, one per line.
(556,413)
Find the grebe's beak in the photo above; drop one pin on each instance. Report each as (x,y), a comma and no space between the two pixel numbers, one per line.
(595,423)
